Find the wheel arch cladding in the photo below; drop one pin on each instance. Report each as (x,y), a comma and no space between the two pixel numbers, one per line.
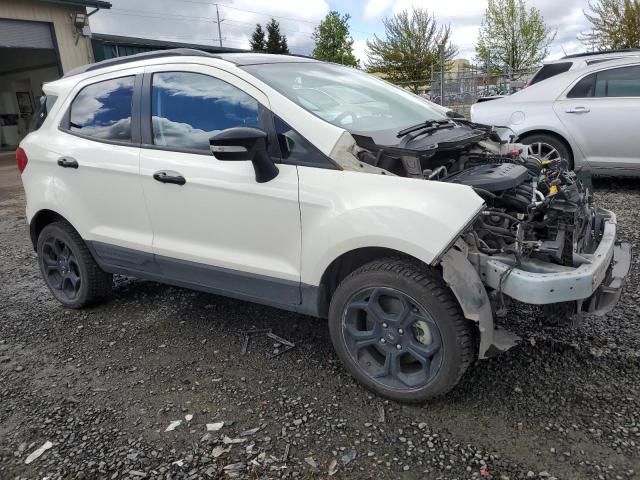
(40,220)
(346,263)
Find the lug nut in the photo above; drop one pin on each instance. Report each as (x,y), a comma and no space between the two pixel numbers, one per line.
(382,340)
(399,347)
(384,325)
(400,331)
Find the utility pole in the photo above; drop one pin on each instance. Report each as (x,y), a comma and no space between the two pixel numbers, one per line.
(218,22)
(442,74)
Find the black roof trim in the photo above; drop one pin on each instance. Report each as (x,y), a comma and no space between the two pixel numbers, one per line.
(258,58)
(602,52)
(240,59)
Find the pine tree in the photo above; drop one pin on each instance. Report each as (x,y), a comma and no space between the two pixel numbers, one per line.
(258,42)
(276,42)
(284,45)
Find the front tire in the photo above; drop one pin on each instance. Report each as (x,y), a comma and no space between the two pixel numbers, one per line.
(68,269)
(399,330)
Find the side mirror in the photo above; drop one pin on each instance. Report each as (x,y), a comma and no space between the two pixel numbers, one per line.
(245,144)
(452,114)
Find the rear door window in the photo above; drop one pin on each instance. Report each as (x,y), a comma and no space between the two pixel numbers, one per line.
(618,82)
(550,70)
(584,88)
(103,110)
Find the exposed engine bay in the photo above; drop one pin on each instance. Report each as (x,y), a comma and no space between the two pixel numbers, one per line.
(535,209)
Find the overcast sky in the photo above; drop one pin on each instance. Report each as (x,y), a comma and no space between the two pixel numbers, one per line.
(194,20)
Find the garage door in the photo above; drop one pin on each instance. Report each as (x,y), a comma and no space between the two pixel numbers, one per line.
(20,34)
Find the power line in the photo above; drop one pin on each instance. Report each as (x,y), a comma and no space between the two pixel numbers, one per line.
(141,13)
(214,20)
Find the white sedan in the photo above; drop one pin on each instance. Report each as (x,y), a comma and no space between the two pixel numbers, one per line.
(589,116)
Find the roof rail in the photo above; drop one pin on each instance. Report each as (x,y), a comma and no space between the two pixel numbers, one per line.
(602,52)
(174,52)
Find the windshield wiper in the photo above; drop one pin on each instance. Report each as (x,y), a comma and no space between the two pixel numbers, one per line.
(428,126)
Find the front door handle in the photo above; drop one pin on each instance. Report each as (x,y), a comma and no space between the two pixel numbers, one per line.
(578,110)
(166,176)
(67,162)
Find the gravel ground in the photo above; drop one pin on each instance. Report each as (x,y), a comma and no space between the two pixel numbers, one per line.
(102,385)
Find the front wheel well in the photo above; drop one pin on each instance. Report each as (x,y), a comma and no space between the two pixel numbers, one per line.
(346,263)
(555,135)
(41,220)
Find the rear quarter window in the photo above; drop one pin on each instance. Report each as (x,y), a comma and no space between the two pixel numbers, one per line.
(103,110)
(550,70)
(45,106)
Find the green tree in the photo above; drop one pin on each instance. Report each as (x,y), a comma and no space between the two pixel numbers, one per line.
(258,41)
(276,42)
(615,24)
(511,38)
(333,42)
(411,47)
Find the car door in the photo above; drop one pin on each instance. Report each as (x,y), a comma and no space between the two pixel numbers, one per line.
(602,113)
(216,228)
(96,155)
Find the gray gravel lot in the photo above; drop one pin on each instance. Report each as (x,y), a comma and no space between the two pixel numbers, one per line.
(103,384)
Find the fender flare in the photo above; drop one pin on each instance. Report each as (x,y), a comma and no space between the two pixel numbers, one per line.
(463,280)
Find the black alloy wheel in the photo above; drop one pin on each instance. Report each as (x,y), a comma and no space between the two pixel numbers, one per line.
(391,338)
(68,268)
(60,266)
(399,330)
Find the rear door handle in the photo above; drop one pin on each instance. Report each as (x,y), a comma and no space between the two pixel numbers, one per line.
(67,162)
(166,176)
(578,110)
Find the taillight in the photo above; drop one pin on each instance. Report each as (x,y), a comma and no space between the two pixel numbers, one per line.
(21,159)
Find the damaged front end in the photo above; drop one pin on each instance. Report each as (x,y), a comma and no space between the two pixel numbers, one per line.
(539,240)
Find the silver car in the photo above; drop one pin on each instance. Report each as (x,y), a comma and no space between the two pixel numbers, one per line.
(588,116)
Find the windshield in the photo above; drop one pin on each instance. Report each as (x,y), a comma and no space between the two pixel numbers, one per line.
(348,98)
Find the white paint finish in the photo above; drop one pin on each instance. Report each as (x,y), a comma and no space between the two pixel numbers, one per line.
(342,211)
(103,197)
(603,138)
(39,176)
(222,216)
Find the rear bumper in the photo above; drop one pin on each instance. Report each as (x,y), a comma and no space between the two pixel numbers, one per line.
(596,284)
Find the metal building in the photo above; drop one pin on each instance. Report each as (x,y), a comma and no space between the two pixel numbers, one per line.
(110,46)
(39,41)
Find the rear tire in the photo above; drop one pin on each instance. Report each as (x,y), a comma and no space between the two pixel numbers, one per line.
(399,330)
(550,146)
(68,268)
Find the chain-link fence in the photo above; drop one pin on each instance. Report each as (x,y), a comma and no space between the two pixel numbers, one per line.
(463,87)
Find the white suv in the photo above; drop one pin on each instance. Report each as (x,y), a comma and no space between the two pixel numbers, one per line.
(315,188)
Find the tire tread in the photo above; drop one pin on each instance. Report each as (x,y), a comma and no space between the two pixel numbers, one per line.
(99,282)
(431,280)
